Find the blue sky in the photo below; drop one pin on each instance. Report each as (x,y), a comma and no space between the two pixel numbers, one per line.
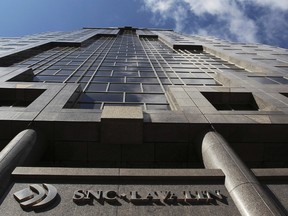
(260,21)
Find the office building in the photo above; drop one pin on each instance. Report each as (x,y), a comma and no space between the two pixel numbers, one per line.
(136,121)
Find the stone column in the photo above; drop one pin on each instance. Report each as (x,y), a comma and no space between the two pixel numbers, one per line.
(246,191)
(24,149)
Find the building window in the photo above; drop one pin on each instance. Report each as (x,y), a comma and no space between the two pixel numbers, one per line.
(270,79)
(18,97)
(231,100)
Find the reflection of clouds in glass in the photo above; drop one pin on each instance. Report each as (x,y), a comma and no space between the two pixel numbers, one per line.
(101,97)
(146,98)
(125,87)
(132,68)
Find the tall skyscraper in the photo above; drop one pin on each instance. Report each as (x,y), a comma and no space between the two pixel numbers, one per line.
(127,121)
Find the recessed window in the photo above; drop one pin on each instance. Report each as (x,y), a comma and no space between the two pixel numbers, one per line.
(18,97)
(231,100)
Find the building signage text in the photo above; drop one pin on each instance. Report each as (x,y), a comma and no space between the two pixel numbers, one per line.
(136,197)
(42,195)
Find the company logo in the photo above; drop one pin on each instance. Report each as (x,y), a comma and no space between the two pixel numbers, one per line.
(36,196)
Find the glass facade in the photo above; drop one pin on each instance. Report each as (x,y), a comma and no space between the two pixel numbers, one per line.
(125,70)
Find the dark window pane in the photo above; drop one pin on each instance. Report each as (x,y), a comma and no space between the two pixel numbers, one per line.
(108,79)
(281,80)
(97,87)
(152,88)
(73,79)
(49,72)
(142,80)
(64,72)
(147,74)
(124,73)
(85,79)
(88,105)
(125,87)
(123,104)
(263,80)
(103,73)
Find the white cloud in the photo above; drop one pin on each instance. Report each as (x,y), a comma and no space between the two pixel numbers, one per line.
(213,7)
(228,18)
(159,6)
(276,4)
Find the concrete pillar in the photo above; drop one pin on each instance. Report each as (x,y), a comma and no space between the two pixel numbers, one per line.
(22,150)
(246,191)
